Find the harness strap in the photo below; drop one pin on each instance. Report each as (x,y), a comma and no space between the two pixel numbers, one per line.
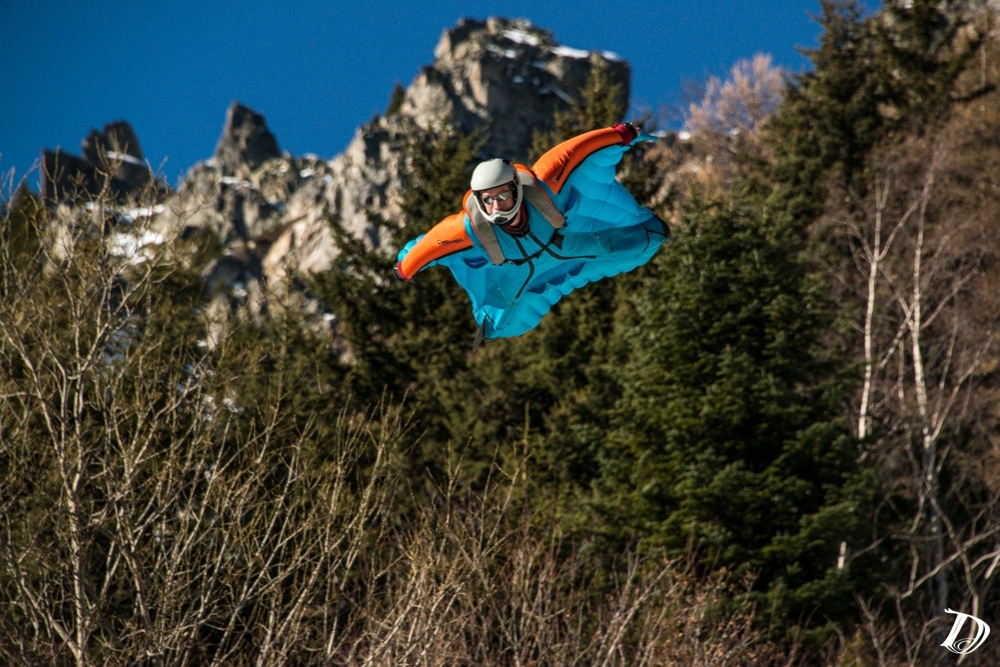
(533,195)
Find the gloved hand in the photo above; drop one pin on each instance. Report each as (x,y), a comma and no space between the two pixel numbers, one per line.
(628,132)
(631,134)
(399,260)
(399,275)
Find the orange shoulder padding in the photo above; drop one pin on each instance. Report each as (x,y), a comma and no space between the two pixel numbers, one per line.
(559,162)
(443,239)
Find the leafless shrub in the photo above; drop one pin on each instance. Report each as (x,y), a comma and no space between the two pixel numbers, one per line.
(146,513)
(728,119)
(480,580)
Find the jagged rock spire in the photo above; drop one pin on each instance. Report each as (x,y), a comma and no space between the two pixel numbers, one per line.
(246,143)
(111,157)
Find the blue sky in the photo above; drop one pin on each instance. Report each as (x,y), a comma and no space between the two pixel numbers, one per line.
(317,70)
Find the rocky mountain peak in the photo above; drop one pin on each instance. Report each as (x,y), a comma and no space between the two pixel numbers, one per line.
(505,75)
(111,158)
(246,143)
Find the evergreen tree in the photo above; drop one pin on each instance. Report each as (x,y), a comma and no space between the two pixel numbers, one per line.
(22,218)
(925,48)
(602,103)
(830,118)
(875,82)
(396,100)
(726,437)
(871,79)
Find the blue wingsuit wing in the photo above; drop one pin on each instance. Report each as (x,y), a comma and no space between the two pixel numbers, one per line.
(606,232)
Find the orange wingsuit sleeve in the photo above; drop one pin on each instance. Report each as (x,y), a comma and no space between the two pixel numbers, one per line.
(444,238)
(555,166)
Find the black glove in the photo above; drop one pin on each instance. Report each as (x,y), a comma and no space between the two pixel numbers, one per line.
(399,276)
(628,132)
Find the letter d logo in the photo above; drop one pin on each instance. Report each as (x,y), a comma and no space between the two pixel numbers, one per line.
(969,644)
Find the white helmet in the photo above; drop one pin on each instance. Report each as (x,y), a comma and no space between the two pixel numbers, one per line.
(492,174)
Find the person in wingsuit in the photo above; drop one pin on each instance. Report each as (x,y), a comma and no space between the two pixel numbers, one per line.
(527,237)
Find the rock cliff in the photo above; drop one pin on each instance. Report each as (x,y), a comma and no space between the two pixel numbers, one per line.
(269,211)
(504,77)
(112,158)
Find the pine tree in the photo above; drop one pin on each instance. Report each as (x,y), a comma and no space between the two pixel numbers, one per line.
(396,100)
(925,48)
(872,79)
(601,103)
(23,218)
(726,438)
(830,118)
